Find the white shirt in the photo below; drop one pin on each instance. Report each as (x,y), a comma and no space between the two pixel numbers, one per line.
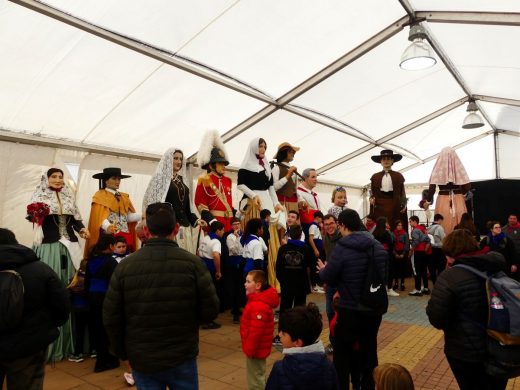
(253,249)
(386,183)
(279,182)
(315,232)
(233,243)
(308,196)
(208,246)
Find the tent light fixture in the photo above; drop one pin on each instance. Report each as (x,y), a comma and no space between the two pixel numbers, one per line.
(419,54)
(473,120)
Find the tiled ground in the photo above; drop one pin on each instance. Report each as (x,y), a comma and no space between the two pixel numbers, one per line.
(405,337)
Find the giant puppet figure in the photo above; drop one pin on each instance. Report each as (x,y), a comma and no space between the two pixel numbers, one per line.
(284,176)
(255,180)
(388,197)
(213,193)
(168,184)
(450,175)
(112,211)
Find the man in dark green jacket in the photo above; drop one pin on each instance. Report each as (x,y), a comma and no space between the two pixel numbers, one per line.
(156,300)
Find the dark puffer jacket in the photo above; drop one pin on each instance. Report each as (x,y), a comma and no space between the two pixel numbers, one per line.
(300,371)
(156,300)
(458,306)
(46,304)
(348,267)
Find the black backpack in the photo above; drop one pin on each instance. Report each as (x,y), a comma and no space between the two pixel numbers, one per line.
(373,296)
(11,299)
(503,323)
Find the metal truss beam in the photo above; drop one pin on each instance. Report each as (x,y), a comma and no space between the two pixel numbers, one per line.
(458,146)
(141,48)
(461,17)
(395,134)
(29,139)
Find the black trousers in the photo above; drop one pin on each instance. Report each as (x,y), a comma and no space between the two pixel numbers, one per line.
(235,286)
(391,270)
(420,261)
(101,342)
(25,373)
(437,263)
(355,342)
(288,300)
(471,376)
(400,268)
(80,320)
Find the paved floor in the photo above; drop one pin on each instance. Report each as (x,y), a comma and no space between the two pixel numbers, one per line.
(405,337)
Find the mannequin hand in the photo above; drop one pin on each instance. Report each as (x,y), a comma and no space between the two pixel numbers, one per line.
(112,229)
(317,253)
(290,172)
(218,275)
(303,205)
(372,201)
(279,207)
(201,223)
(84,233)
(257,201)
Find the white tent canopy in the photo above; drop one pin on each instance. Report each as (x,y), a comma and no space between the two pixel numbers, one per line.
(130,79)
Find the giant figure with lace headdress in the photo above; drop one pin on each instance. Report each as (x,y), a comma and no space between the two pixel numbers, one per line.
(169,184)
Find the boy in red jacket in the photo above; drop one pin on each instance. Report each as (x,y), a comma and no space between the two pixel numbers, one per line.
(257,326)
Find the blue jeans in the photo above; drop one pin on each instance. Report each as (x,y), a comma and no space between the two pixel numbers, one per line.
(182,377)
(329,309)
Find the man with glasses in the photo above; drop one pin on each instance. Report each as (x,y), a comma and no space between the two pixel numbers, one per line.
(157,298)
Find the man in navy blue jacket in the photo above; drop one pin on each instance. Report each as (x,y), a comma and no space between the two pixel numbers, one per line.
(347,269)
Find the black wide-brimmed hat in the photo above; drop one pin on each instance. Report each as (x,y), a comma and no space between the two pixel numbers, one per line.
(217,155)
(109,172)
(387,153)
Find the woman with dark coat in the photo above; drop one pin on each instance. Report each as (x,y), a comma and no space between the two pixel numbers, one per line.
(459,307)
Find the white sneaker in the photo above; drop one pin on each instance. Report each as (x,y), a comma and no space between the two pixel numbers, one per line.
(392,293)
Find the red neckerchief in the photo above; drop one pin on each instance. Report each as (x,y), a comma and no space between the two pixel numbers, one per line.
(313,195)
(260,160)
(55,189)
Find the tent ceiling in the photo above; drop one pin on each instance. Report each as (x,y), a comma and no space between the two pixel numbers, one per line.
(324,76)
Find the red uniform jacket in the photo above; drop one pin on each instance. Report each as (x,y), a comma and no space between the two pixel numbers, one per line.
(207,199)
(257,323)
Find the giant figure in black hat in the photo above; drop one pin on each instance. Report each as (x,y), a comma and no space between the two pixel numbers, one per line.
(112,211)
(213,193)
(388,197)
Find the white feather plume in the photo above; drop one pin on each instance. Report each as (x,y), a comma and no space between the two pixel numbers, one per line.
(210,140)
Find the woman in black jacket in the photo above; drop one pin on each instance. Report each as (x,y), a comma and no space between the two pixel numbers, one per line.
(459,307)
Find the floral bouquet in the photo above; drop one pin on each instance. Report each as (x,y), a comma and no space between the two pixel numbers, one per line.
(36,213)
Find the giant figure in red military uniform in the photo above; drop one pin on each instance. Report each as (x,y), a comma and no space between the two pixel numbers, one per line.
(213,193)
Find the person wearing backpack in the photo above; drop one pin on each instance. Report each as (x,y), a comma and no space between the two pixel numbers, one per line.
(354,256)
(46,306)
(459,307)
(437,258)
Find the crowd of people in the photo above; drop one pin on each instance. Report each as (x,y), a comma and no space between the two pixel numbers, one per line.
(146,282)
